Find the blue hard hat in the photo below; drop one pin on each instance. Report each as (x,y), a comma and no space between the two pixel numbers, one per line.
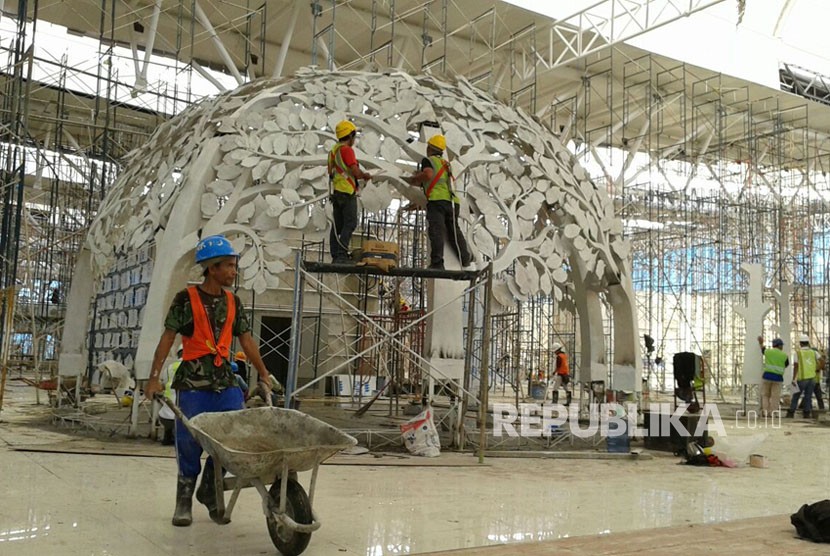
(214,246)
(234,367)
(778,342)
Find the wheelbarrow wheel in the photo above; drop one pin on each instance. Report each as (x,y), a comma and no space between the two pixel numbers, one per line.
(298,508)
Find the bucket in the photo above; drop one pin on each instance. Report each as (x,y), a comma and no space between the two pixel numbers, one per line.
(618,444)
(537,390)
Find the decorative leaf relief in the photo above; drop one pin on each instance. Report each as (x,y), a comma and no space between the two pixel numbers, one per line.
(260,170)
(301,217)
(292,179)
(221,188)
(250,272)
(389,150)
(525,229)
(495,226)
(277,250)
(318,218)
(571,231)
(272,282)
(275,235)
(510,166)
(313,173)
(210,205)
(502,294)
(287,219)
(487,206)
(248,258)
(276,173)
(485,243)
(259,284)
(528,211)
(275,267)
(228,172)
(280,144)
(290,196)
(245,213)
(307,117)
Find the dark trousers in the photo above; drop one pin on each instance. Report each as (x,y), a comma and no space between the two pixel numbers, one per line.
(442,225)
(344,207)
(805,389)
(819,397)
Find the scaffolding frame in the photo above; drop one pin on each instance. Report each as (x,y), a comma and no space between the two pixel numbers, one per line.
(706,236)
(480,284)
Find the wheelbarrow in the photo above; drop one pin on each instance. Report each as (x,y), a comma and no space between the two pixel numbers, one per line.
(268,446)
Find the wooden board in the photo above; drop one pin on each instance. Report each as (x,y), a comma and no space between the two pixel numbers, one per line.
(148,449)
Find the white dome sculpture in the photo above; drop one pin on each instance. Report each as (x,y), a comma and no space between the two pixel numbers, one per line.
(251,164)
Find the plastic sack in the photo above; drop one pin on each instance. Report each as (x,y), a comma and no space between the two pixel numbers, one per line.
(738,448)
(420,435)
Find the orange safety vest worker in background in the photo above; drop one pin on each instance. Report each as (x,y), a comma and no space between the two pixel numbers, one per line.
(562,374)
(562,364)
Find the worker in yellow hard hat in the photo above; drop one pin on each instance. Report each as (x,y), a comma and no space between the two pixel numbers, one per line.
(343,175)
(241,361)
(435,177)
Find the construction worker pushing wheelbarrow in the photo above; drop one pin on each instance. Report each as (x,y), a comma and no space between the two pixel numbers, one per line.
(257,446)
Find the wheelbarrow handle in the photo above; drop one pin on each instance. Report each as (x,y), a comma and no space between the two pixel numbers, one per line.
(173,407)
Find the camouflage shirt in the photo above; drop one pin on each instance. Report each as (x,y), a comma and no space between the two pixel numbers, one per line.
(202,374)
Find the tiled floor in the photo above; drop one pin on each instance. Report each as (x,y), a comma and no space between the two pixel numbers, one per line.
(72,504)
(742,537)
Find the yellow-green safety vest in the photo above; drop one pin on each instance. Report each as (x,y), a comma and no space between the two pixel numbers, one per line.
(341,175)
(442,190)
(168,386)
(807,363)
(775,361)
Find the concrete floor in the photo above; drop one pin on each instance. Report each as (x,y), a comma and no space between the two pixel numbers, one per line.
(76,504)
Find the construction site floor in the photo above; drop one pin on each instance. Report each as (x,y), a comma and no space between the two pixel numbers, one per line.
(70,492)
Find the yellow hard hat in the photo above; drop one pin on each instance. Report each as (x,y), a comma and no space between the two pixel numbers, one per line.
(438,141)
(127,399)
(240,356)
(344,129)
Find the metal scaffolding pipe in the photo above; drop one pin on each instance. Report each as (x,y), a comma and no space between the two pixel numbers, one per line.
(286,40)
(141,79)
(204,73)
(217,41)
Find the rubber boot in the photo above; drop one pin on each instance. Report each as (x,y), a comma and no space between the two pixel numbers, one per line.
(183,516)
(207,495)
(169,438)
(567,399)
(554,397)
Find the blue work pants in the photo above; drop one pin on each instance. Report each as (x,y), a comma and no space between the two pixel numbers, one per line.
(192,403)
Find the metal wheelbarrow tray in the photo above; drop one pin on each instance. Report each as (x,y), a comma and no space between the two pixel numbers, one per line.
(262,442)
(263,446)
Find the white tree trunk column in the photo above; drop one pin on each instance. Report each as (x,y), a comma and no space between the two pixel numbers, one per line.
(753,314)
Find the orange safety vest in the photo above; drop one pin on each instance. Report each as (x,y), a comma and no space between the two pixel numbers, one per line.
(562,364)
(341,176)
(202,342)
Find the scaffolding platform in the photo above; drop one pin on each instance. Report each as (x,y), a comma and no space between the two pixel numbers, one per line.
(400,272)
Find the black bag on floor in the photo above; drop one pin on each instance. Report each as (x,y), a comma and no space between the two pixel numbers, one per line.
(812,521)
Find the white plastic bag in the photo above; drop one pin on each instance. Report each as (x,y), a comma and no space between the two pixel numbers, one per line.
(420,435)
(738,448)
